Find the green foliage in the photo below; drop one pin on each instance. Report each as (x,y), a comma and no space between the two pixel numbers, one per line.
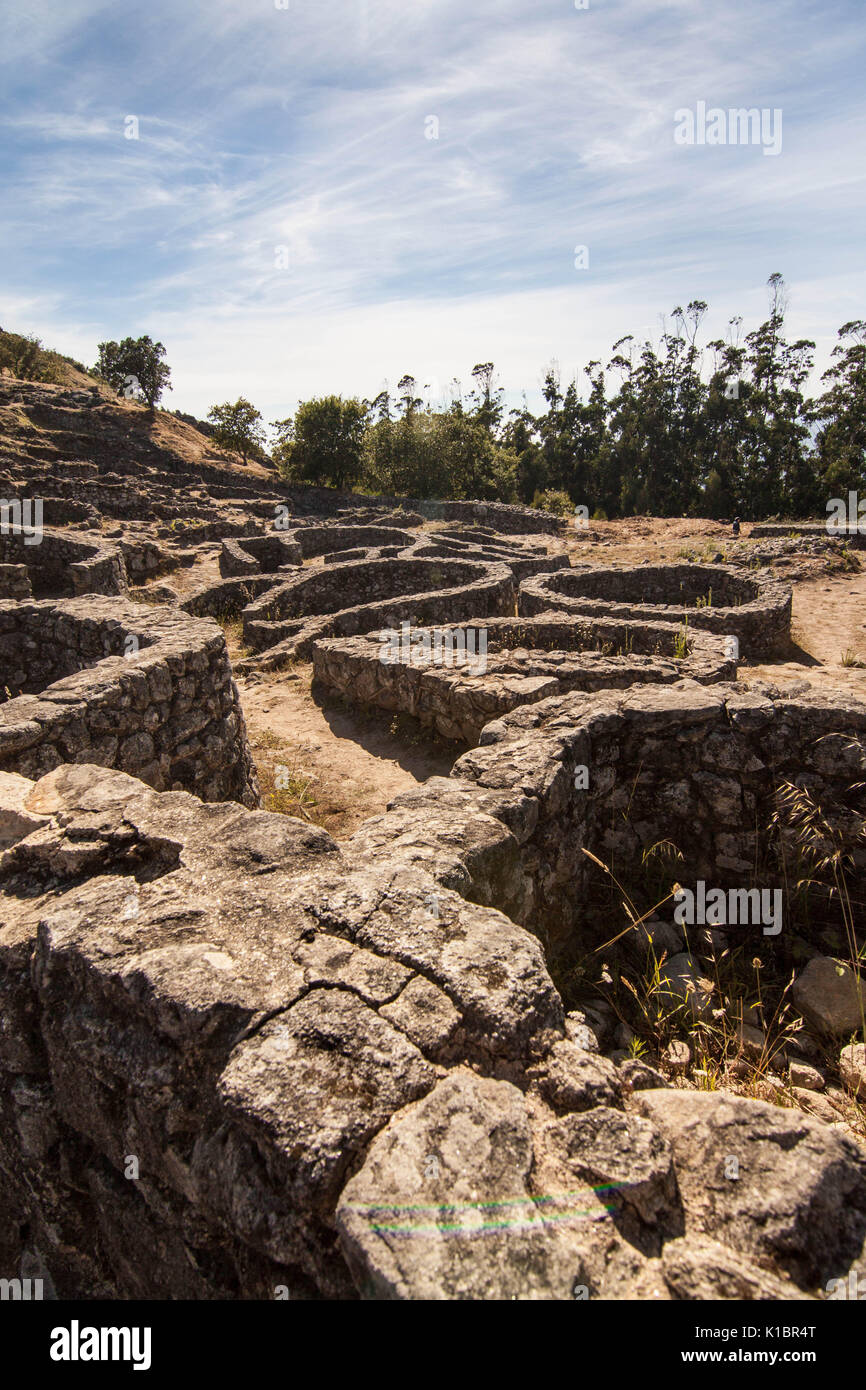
(135,368)
(238,427)
(554,500)
(27,359)
(452,453)
(670,428)
(841,414)
(324,442)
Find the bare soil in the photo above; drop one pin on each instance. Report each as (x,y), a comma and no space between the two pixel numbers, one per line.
(342,765)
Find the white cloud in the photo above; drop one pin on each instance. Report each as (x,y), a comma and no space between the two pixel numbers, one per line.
(305,128)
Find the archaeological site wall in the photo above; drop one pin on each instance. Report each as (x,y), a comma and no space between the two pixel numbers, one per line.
(241,1060)
(342,600)
(456,679)
(101,681)
(755,609)
(61,565)
(284,1033)
(851,533)
(694,766)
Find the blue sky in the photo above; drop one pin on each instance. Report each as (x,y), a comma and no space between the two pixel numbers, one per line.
(301,134)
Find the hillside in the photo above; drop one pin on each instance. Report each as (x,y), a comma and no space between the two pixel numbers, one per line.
(84,419)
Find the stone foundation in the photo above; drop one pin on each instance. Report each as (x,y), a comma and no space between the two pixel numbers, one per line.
(343,600)
(851,534)
(15,582)
(62,566)
(272,1066)
(695,766)
(101,681)
(525,661)
(753,608)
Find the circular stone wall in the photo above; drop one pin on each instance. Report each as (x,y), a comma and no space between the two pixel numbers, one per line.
(148,691)
(721,599)
(61,566)
(457,679)
(343,600)
(522,560)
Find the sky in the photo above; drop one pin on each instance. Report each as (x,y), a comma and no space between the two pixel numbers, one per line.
(300,197)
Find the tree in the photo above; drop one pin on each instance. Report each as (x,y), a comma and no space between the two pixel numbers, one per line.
(238,426)
(324,443)
(841,412)
(135,366)
(486,399)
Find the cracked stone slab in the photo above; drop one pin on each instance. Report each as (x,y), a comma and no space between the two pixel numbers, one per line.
(443,1206)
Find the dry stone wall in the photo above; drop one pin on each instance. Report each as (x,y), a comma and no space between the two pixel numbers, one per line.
(102,681)
(344,1070)
(692,765)
(456,679)
(15,582)
(260,1006)
(312,604)
(852,533)
(60,565)
(755,609)
(312,1051)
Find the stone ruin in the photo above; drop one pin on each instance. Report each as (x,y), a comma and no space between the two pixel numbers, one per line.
(753,608)
(852,533)
(456,679)
(313,603)
(344,1069)
(375,575)
(103,681)
(61,565)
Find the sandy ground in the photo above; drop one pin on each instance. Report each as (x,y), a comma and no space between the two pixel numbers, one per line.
(343,766)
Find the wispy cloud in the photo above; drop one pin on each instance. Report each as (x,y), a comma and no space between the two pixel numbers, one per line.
(323,196)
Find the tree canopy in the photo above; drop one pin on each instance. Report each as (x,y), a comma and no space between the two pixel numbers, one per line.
(135,368)
(238,427)
(673,427)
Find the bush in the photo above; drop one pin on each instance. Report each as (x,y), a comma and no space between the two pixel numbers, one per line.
(553,500)
(27,358)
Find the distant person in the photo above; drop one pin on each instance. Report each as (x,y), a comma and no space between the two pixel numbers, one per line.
(736,526)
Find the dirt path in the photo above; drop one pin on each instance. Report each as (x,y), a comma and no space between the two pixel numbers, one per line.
(828,627)
(341,766)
